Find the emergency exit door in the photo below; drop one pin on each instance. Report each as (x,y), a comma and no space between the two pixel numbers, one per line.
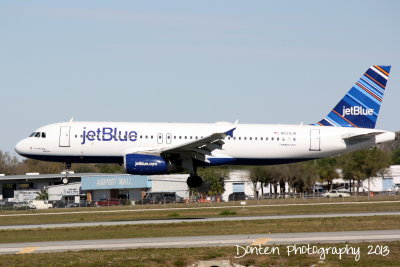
(315,140)
(65,136)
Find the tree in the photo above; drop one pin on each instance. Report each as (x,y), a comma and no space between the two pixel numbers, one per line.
(213,181)
(43,195)
(326,170)
(301,176)
(364,164)
(396,157)
(9,164)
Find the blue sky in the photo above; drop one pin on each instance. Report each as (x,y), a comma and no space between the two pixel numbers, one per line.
(186,61)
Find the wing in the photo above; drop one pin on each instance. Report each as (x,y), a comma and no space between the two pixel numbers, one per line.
(200,148)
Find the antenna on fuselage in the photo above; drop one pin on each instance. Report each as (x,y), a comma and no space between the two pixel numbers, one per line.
(72,119)
(236,122)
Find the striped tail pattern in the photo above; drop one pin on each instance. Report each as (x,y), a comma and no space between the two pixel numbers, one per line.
(360,106)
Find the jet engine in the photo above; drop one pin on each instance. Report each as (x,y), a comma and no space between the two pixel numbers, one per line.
(143,164)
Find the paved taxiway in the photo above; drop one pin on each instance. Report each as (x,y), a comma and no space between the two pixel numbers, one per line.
(213,219)
(202,241)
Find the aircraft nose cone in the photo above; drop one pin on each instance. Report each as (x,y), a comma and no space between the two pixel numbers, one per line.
(20,147)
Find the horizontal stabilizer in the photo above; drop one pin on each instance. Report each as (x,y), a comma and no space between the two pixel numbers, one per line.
(356,138)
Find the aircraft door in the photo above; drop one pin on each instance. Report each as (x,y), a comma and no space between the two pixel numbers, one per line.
(169,138)
(65,136)
(160,138)
(315,140)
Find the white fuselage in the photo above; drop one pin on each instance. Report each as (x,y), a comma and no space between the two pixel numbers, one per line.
(251,144)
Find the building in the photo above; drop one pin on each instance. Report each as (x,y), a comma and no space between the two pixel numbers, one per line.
(90,187)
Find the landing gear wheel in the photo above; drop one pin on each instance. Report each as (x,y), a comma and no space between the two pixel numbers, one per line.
(67,169)
(194,181)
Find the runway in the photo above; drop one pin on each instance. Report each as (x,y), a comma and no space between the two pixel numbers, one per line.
(189,220)
(202,241)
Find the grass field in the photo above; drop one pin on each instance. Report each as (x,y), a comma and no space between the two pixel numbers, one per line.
(186,256)
(203,228)
(115,214)
(216,204)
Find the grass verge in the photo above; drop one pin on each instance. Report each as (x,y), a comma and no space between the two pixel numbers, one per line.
(185,256)
(94,216)
(203,228)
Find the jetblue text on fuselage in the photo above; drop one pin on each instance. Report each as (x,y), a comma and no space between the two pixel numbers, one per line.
(357,110)
(108,134)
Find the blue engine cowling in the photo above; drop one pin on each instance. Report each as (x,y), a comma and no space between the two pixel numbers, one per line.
(146,164)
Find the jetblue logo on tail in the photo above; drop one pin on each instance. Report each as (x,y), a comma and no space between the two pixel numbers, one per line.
(360,106)
(357,110)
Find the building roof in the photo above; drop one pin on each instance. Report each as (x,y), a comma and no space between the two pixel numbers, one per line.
(53,176)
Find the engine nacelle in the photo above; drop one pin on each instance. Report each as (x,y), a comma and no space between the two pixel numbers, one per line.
(147,164)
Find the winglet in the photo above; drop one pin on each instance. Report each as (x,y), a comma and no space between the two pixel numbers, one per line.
(230,132)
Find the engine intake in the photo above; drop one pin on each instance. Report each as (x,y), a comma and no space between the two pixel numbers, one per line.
(147,164)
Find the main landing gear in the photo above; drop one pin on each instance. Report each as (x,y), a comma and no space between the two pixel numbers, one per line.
(194,181)
(65,179)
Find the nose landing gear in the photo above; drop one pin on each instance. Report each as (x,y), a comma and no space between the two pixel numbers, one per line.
(65,179)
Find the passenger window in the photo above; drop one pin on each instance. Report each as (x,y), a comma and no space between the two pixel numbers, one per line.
(250,138)
(277,139)
(229,138)
(261,138)
(272,139)
(245,138)
(255,138)
(185,137)
(239,138)
(234,138)
(266,138)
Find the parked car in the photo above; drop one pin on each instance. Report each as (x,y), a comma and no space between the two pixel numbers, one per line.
(108,202)
(161,197)
(23,205)
(336,193)
(238,196)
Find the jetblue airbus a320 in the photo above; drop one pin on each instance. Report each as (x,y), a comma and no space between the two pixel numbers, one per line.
(163,148)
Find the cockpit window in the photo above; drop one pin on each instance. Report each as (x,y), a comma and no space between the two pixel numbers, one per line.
(38,134)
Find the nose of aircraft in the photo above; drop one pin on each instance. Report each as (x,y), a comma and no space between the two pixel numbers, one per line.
(20,147)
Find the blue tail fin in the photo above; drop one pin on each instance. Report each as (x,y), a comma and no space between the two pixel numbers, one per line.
(360,106)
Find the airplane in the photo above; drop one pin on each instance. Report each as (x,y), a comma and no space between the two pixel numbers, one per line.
(164,148)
